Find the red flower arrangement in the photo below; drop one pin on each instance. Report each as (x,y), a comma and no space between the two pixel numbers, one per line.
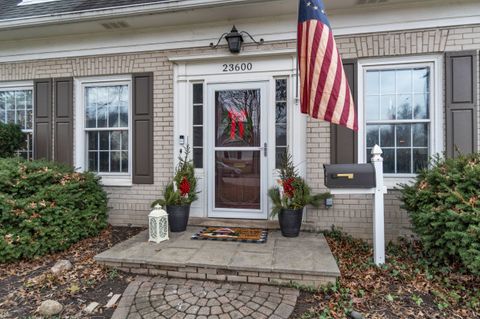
(184,187)
(288,188)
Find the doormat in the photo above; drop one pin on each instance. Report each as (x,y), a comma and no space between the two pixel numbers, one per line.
(244,235)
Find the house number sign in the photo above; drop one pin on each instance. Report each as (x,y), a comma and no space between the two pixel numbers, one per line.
(237,67)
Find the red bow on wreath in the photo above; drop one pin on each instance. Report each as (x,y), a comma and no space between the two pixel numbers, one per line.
(237,118)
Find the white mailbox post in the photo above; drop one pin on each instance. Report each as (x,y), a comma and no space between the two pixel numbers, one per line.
(378,208)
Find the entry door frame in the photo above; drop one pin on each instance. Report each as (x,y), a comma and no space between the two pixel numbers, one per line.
(211,148)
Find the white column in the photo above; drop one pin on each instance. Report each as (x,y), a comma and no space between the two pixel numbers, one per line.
(379,208)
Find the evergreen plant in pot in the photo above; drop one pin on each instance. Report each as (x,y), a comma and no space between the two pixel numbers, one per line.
(290,197)
(180,193)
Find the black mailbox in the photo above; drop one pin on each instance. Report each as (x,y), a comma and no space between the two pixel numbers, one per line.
(350,176)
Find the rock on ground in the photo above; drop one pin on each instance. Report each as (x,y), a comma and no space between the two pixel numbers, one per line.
(61,266)
(50,308)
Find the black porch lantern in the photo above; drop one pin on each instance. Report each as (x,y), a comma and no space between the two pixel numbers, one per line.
(235,40)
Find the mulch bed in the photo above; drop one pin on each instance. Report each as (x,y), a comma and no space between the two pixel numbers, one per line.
(24,285)
(406,287)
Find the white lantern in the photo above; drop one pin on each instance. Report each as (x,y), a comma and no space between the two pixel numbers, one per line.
(158,225)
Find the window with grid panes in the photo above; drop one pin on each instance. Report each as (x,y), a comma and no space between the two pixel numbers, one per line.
(280,120)
(16,106)
(197,125)
(107,128)
(397,117)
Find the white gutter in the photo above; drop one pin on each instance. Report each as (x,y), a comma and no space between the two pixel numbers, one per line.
(115,12)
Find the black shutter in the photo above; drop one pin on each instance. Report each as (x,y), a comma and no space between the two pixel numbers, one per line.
(343,141)
(461,101)
(142,128)
(63,92)
(42,136)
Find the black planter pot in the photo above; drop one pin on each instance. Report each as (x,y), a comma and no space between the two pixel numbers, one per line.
(178,218)
(290,221)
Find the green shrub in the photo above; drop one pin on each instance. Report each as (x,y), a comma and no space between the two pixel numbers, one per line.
(46,207)
(444,206)
(11,139)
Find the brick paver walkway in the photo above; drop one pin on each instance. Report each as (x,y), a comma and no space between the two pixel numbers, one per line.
(160,297)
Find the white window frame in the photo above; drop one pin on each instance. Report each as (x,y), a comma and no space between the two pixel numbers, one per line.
(436,116)
(81,161)
(23,85)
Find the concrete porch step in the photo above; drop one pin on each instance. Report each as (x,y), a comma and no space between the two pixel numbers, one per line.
(306,260)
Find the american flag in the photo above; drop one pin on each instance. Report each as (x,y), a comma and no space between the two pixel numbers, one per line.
(324,90)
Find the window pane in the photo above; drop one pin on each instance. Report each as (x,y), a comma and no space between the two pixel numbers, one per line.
(281,134)
(113,116)
(421,110)
(123,114)
(404,161)
(197,115)
(124,162)
(404,135)
(93,141)
(388,107)
(115,141)
(421,80)
(280,153)
(115,159)
(9,101)
(372,107)
(198,157)
(420,159)
(388,160)
(387,81)
(372,82)
(387,136)
(104,140)
(198,136)
(28,99)
(404,107)
(404,81)
(29,119)
(372,136)
(124,136)
(102,112)
(281,113)
(104,162)
(420,135)
(21,118)
(281,90)
(198,93)
(93,161)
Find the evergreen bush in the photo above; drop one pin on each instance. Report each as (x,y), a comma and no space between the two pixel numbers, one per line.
(444,207)
(46,207)
(11,139)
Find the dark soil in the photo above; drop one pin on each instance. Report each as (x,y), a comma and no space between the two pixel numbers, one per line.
(407,286)
(24,285)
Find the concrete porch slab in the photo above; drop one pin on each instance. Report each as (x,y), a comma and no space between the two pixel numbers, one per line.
(304,260)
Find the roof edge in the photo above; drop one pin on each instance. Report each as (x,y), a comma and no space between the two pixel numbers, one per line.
(114,12)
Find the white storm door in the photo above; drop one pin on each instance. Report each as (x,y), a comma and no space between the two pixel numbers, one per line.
(237,150)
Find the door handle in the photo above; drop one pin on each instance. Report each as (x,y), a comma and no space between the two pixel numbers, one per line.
(265,149)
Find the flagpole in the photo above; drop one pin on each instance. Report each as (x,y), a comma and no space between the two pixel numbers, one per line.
(297,64)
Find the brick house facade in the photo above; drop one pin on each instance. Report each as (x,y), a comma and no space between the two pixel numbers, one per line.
(130,204)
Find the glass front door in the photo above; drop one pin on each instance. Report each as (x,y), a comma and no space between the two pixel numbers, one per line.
(238,151)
